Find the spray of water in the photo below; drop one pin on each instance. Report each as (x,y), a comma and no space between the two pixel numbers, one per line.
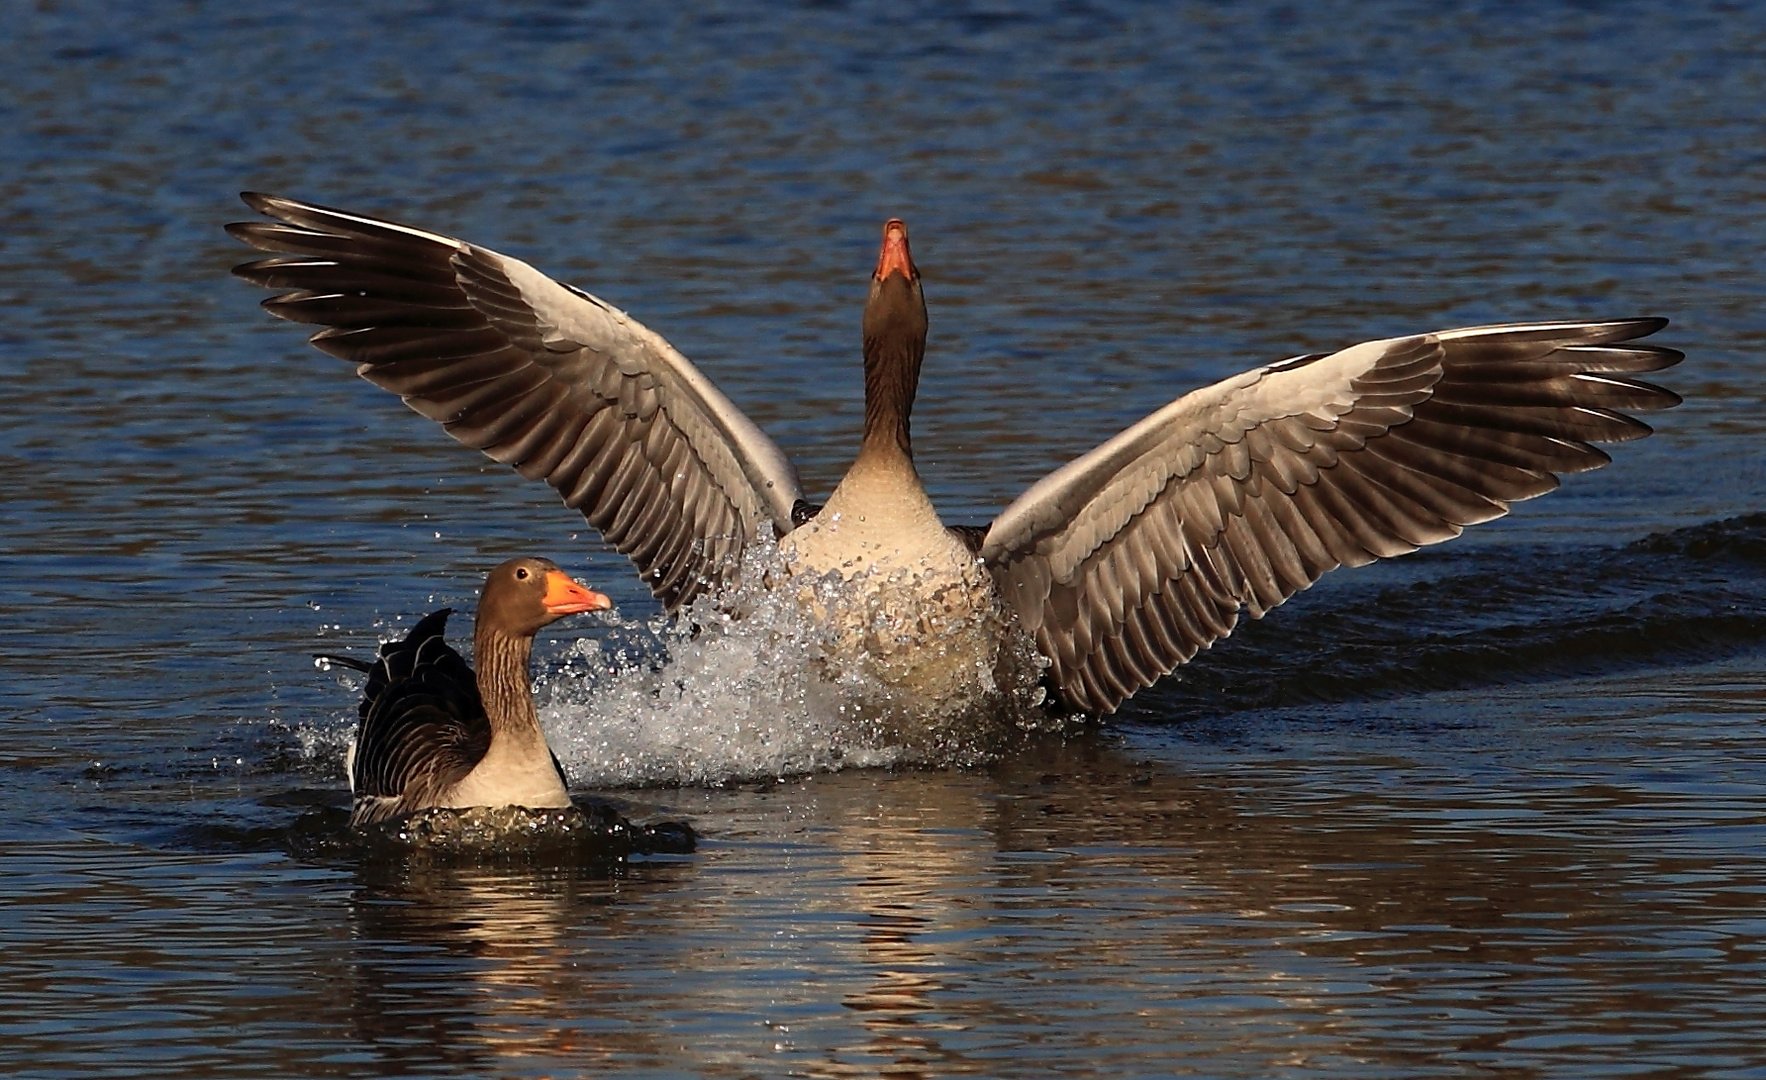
(754,685)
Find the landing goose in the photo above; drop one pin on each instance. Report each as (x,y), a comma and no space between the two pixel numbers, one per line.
(1120,565)
(434,734)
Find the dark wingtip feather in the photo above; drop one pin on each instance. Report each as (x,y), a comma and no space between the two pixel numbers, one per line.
(1625,329)
(1638,326)
(281,207)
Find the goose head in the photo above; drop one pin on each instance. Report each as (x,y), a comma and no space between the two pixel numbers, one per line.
(523,595)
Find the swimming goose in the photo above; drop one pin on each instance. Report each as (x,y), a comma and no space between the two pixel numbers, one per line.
(434,734)
(1120,565)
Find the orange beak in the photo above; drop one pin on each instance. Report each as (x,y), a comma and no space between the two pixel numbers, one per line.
(565,597)
(894,257)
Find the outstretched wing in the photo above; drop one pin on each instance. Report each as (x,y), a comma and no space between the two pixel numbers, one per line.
(423,725)
(1126,561)
(540,376)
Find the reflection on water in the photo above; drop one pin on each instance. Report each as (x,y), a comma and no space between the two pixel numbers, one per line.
(516,986)
(901,858)
(1373,895)
(1086,892)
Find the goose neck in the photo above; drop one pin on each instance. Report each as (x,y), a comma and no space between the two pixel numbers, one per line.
(503,682)
(892,376)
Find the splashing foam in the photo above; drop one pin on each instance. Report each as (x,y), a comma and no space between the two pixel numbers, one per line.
(771,691)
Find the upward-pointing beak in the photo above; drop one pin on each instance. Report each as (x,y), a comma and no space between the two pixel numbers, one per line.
(894,258)
(564,596)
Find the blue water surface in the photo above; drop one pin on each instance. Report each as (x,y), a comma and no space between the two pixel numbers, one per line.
(1496,808)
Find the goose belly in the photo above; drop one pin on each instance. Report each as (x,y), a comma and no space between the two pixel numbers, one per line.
(494,782)
(911,608)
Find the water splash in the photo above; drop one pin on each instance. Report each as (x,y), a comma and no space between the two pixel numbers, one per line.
(770,691)
(710,698)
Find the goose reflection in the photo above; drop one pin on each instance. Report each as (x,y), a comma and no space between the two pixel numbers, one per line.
(475,965)
(1182,899)
(909,881)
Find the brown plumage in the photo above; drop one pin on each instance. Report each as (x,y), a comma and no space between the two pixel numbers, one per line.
(556,384)
(1127,561)
(1121,564)
(434,734)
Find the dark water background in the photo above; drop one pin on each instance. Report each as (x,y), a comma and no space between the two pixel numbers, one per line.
(1493,809)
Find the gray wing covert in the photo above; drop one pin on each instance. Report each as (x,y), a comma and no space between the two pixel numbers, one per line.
(1127,561)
